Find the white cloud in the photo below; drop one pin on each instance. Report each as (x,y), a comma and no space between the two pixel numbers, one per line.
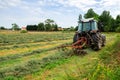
(9,3)
(47,3)
(80,4)
(41,2)
(110,5)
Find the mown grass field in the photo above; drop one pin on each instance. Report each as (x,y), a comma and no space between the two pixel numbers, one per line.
(35,56)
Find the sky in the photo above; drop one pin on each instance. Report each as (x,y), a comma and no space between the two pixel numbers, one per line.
(64,12)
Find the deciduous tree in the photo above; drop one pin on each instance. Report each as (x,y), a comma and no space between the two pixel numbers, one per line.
(15,26)
(91,14)
(41,27)
(106,19)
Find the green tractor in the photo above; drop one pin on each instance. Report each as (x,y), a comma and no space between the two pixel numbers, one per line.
(88,34)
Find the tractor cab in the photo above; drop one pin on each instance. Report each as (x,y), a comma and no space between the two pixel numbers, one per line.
(85,25)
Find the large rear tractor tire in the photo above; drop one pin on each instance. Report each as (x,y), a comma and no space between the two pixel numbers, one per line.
(97,40)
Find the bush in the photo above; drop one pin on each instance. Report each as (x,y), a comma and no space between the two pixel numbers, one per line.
(23,31)
(118,29)
(106,28)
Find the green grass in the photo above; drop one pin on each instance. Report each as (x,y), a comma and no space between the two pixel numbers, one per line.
(19,38)
(34,56)
(11,64)
(34,65)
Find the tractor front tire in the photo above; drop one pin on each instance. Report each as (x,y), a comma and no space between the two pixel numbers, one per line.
(75,38)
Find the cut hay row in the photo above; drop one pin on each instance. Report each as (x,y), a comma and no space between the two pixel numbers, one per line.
(16,58)
(22,50)
(34,65)
(8,39)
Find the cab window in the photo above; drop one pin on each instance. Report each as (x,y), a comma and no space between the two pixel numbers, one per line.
(86,26)
(94,26)
(79,27)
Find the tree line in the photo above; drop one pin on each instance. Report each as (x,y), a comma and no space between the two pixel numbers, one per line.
(14,27)
(48,25)
(109,24)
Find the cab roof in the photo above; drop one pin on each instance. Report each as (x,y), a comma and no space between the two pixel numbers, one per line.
(88,20)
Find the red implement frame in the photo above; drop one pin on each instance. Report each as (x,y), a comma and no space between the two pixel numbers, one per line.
(80,43)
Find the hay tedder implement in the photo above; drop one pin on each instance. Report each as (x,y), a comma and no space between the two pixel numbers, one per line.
(88,35)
